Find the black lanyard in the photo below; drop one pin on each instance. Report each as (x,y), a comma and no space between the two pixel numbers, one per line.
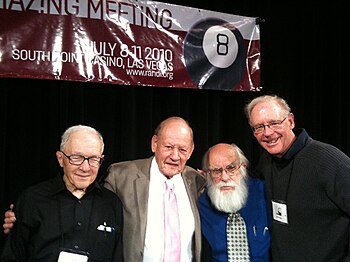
(288,184)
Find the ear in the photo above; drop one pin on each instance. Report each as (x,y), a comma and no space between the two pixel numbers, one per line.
(59,158)
(291,120)
(154,142)
(190,154)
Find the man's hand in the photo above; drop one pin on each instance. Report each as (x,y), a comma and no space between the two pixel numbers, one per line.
(9,220)
(202,173)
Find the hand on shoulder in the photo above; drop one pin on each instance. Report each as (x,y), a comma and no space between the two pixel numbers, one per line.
(9,220)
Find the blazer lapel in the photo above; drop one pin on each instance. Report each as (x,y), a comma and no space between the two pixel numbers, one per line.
(142,190)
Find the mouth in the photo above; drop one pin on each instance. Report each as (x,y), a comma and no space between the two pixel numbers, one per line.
(82,176)
(227,188)
(272,142)
(172,165)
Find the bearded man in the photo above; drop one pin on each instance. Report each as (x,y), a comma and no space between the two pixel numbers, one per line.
(231,195)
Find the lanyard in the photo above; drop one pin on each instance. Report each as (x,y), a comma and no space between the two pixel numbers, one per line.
(276,174)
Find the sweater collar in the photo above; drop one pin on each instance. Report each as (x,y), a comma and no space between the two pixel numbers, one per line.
(299,143)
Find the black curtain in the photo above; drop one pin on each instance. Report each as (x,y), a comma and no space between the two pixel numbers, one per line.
(304,59)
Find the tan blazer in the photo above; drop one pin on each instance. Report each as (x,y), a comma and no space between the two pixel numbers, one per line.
(130,181)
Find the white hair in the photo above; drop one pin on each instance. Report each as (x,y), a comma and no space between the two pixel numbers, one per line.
(77,128)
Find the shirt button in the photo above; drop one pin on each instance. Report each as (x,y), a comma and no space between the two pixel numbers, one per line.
(79,224)
(76,247)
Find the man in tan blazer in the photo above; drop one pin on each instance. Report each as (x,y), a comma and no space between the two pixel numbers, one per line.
(138,184)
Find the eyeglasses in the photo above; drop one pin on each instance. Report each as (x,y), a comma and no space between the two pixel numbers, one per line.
(230,170)
(77,160)
(273,125)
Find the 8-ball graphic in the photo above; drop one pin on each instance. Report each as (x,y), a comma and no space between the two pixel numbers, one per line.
(214,54)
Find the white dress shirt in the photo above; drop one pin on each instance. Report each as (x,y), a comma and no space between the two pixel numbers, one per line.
(154,242)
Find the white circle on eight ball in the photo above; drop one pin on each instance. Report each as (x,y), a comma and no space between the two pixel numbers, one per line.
(220,46)
(214,54)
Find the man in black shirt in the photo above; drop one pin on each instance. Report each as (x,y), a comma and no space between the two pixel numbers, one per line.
(69,217)
(307,185)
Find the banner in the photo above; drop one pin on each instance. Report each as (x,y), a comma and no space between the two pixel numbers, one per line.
(131,42)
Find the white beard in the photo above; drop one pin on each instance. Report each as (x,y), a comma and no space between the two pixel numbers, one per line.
(228,202)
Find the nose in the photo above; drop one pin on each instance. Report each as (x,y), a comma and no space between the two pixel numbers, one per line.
(225,175)
(175,152)
(267,130)
(85,165)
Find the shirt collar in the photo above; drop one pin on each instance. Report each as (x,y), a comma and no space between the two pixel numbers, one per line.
(58,185)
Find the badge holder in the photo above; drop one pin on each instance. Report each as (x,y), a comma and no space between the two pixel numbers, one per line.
(69,255)
(279,211)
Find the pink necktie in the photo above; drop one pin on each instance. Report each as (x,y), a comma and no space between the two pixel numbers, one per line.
(172,244)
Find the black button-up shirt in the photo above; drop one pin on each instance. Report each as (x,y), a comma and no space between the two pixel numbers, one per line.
(51,219)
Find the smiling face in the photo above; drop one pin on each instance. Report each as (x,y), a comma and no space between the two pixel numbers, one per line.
(82,143)
(275,140)
(173,146)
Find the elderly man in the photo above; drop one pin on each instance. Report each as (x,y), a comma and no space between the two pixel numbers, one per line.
(69,217)
(231,196)
(140,184)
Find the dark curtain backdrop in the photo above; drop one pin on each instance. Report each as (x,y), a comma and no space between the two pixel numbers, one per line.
(305,59)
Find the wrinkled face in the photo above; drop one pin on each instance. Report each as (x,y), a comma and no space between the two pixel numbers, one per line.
(172,147)
(224,167)
(226,184)
(276,128)
(85,144)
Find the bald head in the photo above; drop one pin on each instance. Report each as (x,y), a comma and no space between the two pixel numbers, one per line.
(223,152)
(172,145)
(174,123)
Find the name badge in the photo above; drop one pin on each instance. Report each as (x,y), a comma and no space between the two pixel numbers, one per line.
(279,210)
(66,256)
